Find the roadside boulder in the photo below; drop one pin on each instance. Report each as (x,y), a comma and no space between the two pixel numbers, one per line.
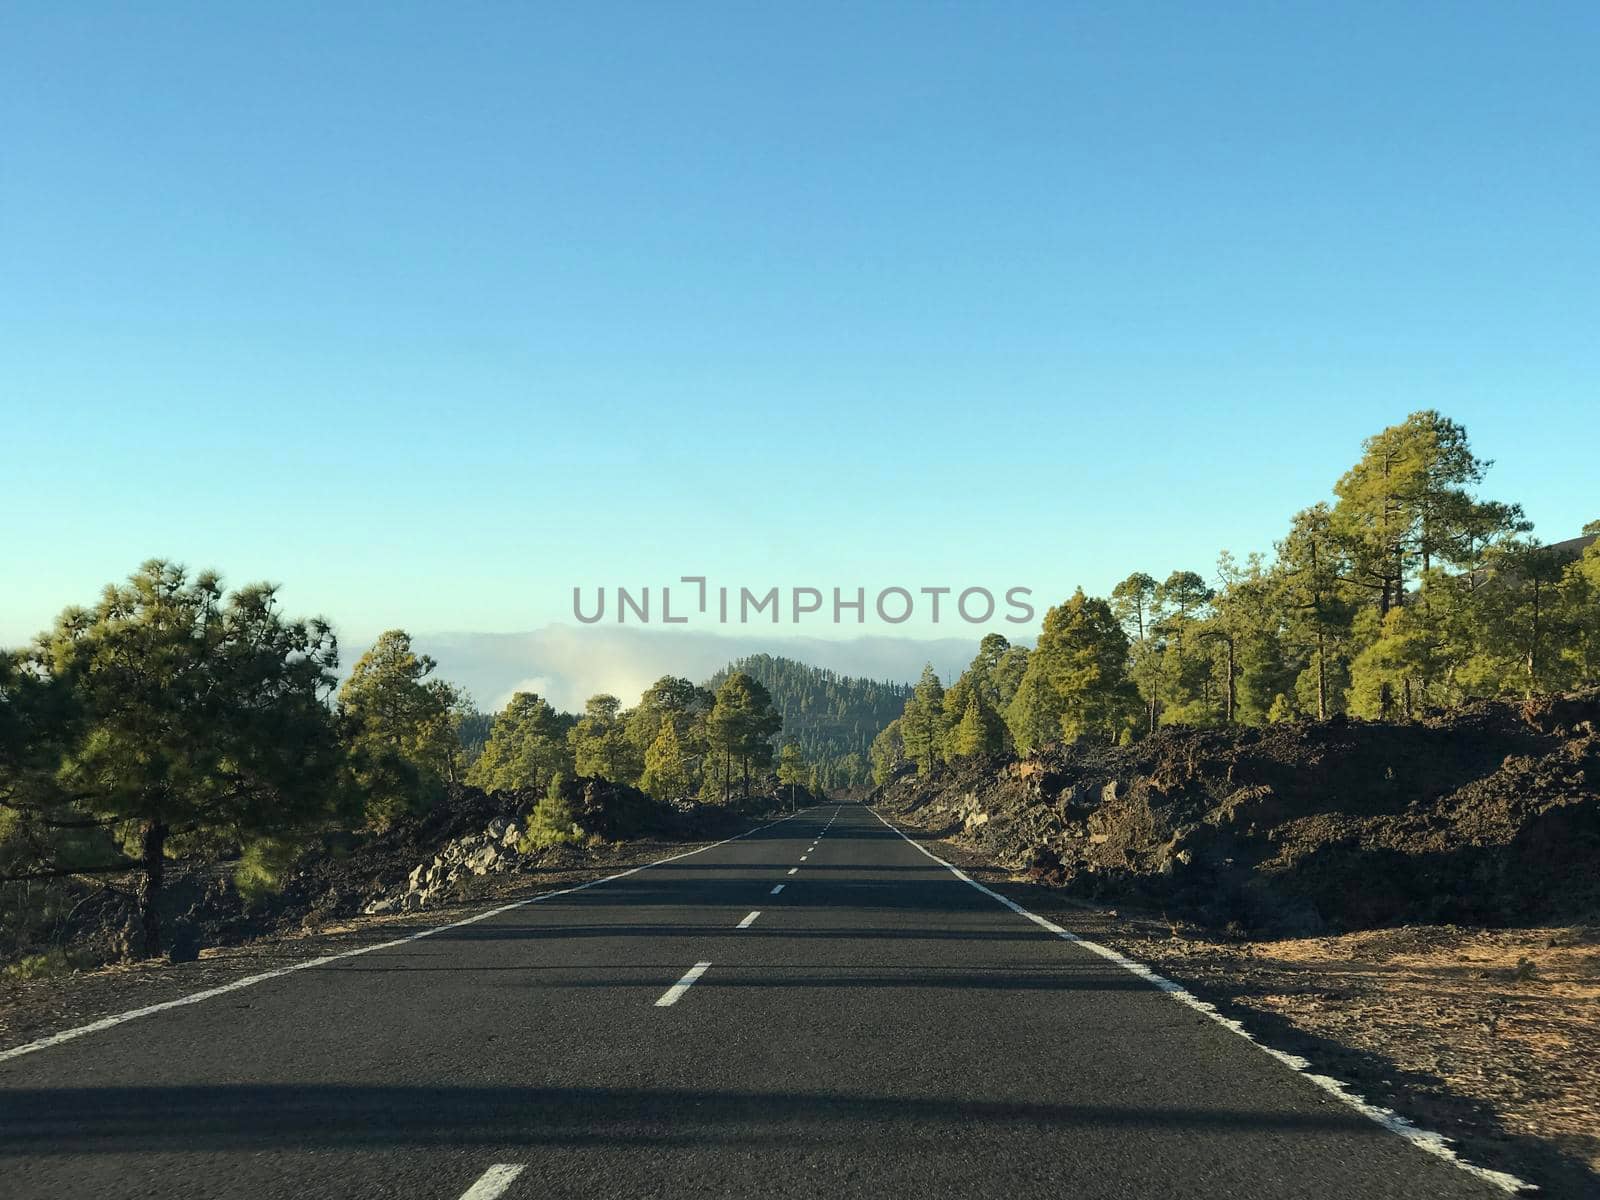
(185,945)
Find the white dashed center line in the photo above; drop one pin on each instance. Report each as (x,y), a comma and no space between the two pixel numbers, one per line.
(777,889)
(673,993)
(493,1181)
(750,920)
(792,870)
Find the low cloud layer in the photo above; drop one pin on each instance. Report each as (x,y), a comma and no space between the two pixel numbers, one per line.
(567,664)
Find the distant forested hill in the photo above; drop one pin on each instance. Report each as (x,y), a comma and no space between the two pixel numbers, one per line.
(833,717)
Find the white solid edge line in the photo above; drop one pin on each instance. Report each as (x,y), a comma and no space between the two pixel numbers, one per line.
(493,1181)
(104,1023)
(1434,1143)
(750,920)
(777,889)
(670,996)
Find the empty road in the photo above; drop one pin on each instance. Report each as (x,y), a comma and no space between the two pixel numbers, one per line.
(817,1008)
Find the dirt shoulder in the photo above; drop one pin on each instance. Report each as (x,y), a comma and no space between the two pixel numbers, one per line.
(38,1008)
(1491,1037)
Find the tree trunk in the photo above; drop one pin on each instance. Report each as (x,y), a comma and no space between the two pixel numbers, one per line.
(153,857)
(746,763)
(1233,691)
(1322,677)
(1533,644)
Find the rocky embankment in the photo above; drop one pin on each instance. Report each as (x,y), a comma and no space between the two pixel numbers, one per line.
(434,859)
(492,852)
(418,863)
(1489,816)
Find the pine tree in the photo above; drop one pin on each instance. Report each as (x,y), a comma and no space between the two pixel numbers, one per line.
(181,719)
(793,770)
(979,731)
(1579,601)
(1317,614)
(741,727)
(600,745)
(666,773)
(401,732)
(888,753)
(676,701)
(1076,685)
(923,723)
(1407,506)
(1134,603)
(992,676)
(1184,676)
(832,717)
(554,819)
(527,746)
(1524,632)
(1245,633)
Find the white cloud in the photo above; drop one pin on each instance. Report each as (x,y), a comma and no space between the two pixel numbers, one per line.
(567,664)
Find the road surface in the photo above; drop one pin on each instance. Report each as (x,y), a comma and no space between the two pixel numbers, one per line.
(816,1009)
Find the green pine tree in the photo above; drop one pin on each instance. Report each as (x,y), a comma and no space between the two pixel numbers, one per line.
(666,773)
(980,730)
(179,719)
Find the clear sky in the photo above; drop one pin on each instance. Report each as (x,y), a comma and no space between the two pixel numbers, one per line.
(431,312)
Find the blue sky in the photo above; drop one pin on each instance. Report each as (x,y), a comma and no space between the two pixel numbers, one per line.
(431,312)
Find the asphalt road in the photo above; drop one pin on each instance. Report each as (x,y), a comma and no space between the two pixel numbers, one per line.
(880,1028)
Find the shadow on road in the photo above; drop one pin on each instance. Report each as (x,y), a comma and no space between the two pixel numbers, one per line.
(161,1119)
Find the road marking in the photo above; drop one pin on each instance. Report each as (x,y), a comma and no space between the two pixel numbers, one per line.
(67,1035)
(671,995)
(792,870)
(750,920)
(493,1181)
(803,858)
(777,889)
(1423,1139)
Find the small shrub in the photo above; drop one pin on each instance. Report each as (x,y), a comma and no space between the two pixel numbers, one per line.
(38,966)
(554,820)
(262,866)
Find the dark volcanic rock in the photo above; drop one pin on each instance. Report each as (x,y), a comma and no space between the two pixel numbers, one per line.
(1486,815)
